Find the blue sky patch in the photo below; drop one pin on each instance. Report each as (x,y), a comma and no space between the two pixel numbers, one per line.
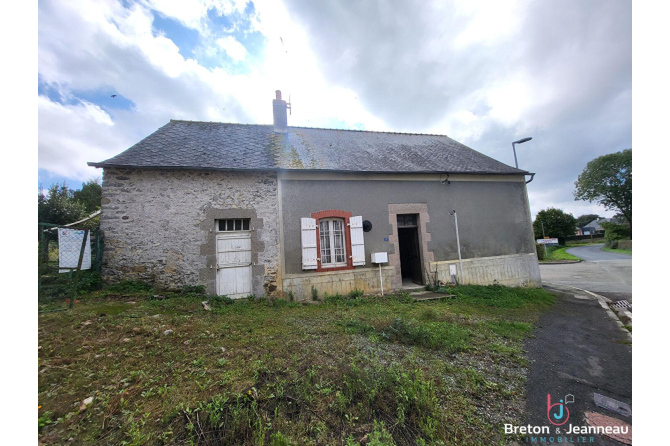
(46,179)
(45,89)
(185,38)
(103,99)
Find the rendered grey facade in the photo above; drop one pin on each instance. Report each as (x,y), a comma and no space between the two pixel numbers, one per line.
(164,199)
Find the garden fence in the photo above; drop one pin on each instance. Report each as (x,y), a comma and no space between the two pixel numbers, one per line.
(69,261)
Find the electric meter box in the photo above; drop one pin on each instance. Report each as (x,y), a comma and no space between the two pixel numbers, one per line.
(379,257)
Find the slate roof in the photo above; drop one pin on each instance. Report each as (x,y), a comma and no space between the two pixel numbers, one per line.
(221,146)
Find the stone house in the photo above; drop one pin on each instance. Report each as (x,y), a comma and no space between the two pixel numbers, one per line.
(263,209)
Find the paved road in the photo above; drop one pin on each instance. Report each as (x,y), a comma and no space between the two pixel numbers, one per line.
(605,273)
(594,253)
(578,350)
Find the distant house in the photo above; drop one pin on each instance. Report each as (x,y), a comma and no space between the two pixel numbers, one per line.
(594,227)
(261,209)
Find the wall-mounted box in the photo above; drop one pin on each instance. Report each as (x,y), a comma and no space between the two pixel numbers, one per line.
(379,257)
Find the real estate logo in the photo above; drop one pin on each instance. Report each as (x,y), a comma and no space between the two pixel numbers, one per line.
(558,413)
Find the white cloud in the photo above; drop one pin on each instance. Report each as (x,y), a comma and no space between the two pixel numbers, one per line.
(193,13)
(232,47)
(71,135)
(483,74)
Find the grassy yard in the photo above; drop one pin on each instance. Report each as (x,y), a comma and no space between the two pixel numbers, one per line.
(131,366)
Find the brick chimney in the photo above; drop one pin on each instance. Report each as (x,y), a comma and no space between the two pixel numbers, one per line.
(279,107)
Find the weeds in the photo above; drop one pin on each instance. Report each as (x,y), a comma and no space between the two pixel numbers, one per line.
(220,301)
(511,329)
(502,297)
(315,294)
(193,289)
(129,287)
(438,335)
(355,370)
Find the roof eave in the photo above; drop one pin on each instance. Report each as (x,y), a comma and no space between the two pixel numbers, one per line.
(278,169)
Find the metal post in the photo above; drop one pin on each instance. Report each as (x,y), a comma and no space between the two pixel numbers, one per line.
(516,164)
(458,243)
(544,236)
(381,279)
(78,270)
(43,259)
(521,141)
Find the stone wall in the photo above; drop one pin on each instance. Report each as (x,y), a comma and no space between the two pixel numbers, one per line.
(342,282)
(159,225)
(511,270)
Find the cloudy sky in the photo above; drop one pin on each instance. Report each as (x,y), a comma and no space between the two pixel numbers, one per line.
(485,73)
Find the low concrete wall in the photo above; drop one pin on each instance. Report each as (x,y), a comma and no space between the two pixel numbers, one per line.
(365,279)
(510,270)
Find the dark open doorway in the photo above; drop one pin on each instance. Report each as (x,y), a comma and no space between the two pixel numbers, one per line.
(410,253)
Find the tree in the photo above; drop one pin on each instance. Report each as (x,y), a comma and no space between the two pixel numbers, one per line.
(557,224)
(58,205)
(585,219)
(90,195)
(608,180)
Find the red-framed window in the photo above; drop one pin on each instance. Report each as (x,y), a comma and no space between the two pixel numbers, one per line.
(328,226)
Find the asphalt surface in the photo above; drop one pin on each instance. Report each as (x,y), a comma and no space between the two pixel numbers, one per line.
(605,273)
(578,350)
(594,253)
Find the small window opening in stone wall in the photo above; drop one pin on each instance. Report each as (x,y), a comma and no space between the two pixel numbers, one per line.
(234,224)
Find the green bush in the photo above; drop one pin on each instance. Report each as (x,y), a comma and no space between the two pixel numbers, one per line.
(89,281)
(315,294)
(615,232)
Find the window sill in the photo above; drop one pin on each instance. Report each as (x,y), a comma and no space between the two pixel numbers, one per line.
(324,269)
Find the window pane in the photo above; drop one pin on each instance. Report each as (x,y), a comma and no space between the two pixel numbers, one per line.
(245,224)
(238,225)
(407,220)
(324,239)
(222,225)
(338,240)
(229,225)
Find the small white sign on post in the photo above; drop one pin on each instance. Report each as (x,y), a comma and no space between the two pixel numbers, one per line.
(69,248)
(379,258)
(547,241)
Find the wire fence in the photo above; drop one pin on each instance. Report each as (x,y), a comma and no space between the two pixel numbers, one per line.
(69,262)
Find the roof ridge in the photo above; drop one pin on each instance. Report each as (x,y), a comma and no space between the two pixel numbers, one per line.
(313,128)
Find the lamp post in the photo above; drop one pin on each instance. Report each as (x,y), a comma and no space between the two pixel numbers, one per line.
(514,148)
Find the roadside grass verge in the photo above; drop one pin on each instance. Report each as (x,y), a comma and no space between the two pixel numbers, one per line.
(352,370)
(596,241)
(560,254)
(620,251)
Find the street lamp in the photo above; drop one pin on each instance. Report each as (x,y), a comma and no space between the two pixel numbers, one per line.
(514,148)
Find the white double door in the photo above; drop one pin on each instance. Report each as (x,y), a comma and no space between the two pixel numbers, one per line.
(233,264)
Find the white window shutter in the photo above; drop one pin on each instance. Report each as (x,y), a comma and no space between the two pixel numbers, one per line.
(308,243)
(357,243)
